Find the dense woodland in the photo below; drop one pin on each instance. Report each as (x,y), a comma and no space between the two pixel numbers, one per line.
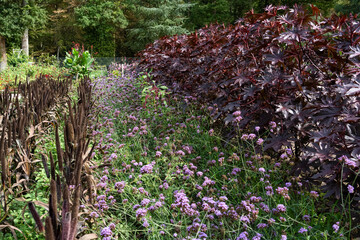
(122,27)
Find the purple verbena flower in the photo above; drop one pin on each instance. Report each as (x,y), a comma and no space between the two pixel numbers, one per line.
(106,232)
(281,208)
(350,188)
(314,194)
(259,141)
(336,227)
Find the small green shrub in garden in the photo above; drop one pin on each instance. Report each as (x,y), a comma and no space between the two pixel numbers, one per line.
(16,59)
(78,61)
(47,60)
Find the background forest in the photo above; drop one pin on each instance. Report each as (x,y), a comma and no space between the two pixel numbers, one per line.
(121,27)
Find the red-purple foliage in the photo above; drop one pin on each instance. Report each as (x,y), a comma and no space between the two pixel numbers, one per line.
(291,66)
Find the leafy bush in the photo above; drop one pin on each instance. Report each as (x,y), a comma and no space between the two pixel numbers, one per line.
(78,61)
(47,60)
(291,67)
(15,59)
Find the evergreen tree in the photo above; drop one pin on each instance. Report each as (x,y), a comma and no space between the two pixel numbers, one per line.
(209,11)
(155,19)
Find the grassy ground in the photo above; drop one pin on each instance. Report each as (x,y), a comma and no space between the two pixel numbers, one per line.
(170,176)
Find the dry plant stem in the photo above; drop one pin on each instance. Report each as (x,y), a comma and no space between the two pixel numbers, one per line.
(46,168)
(58,188)
(90,192)
(9,135)
(76,202)
(71,113)
(66,226)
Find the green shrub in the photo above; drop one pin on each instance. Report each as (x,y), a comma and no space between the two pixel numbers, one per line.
(78,61)
(47,60)
(15,59)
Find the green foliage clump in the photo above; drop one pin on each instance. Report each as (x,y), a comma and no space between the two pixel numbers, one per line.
(347,7)
(15,59)
(47,60)
(78,61)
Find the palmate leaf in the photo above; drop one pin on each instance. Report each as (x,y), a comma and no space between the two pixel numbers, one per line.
(276,142)
(285,109)
(355,51)
(327,115)
(276,56)
(327,169)
(319,151)
(354,90)
(332,188)
(293,35)
(240,79)
(322,135)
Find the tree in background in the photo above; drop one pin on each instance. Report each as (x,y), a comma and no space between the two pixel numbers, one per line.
(10,16)
(123,27)
(100,19)
(205,12)
(209,11)
(61,30)
(155,19)
(326,6)
(348,6)
(239,7)
(15,20)
(229,11)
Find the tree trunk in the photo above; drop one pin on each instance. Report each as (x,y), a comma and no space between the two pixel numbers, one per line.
(3,59)
(25,39)
(25,42)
